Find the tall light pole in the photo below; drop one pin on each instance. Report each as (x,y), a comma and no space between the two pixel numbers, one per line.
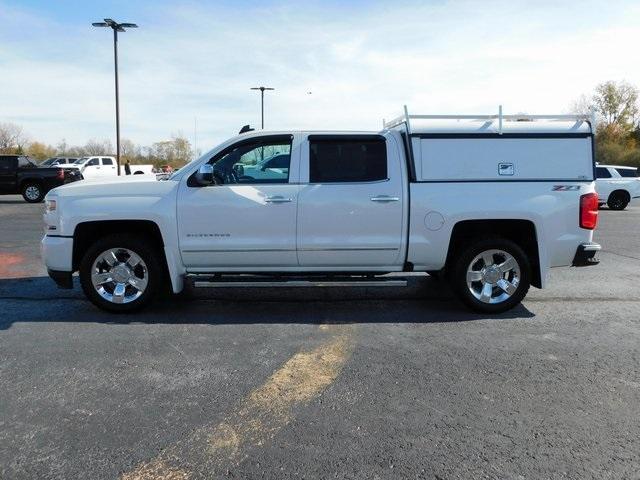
(262,89)
(116,27)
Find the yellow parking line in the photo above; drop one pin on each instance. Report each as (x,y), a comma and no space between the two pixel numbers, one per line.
(258,417)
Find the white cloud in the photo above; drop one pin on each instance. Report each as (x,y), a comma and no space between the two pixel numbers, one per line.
(361,62)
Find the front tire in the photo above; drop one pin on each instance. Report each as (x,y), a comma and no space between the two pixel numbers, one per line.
(121,273)
(33,192)
(491,276)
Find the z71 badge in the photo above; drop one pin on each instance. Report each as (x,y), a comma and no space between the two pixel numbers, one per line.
(565,188)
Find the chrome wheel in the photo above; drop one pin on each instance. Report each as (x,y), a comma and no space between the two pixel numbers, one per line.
(32,192)
(119,275)
(493,276)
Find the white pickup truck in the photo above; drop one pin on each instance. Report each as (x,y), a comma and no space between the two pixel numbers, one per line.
(490,202)
(100,167)
(617,185)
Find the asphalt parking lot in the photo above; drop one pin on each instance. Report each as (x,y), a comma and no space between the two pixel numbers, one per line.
(360,383)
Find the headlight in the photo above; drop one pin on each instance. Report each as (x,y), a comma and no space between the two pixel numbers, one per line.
(50,206)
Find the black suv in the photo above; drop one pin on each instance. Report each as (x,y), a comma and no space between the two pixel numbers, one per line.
(20,174)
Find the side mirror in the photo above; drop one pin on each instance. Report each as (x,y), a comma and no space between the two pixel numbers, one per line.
(204,175)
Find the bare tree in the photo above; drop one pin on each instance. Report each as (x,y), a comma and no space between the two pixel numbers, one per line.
(12,138)
(582,105)
(130,151)
(62,147)
(97,147)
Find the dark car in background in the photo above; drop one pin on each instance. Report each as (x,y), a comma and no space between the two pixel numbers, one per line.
(20,174)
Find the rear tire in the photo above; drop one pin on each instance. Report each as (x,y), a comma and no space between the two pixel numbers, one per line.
(33,192)
(618,200)
(121,273)
(491,276)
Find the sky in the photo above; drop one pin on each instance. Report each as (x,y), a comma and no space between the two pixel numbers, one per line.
(334,64)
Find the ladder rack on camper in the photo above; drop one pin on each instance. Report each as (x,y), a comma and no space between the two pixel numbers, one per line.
(500,117)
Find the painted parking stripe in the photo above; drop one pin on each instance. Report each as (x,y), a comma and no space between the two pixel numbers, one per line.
(258,417)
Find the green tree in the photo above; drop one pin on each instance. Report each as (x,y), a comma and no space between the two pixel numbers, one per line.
(616,104)
(40,151)
(618,133)
(175,152)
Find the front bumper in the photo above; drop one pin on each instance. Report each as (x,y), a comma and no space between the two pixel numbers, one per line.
(57,253)
(586,255)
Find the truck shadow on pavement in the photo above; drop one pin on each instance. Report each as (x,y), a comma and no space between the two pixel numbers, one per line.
(424,300)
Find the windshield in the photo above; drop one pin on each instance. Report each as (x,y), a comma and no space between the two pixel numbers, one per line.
(80,161)
(48,161)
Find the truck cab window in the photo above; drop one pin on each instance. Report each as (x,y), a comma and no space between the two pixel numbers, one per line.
(6,164)
(254,163)
(24,162)
(93,161)
(107,161)
(336,161)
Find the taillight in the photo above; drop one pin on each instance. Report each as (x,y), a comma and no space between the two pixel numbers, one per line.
(60,174)
(589,211)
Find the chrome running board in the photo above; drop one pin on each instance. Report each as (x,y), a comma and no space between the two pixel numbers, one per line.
(210,281)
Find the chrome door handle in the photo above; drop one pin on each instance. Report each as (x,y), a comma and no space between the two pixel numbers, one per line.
(385,198)
(277,199)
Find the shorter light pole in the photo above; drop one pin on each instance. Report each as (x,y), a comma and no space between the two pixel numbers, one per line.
(262,89)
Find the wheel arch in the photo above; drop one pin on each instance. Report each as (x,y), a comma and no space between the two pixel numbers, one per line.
(86,233)
(620,191)
(27,180)
(522,232)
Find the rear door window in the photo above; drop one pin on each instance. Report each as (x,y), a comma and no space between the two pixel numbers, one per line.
(347,160)
(628,172)
(602,172)
(107,161)
(6,164)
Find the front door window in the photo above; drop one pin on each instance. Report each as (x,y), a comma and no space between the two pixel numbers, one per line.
(254,163)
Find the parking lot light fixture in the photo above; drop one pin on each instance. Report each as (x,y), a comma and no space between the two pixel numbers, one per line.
(262,89)
(116,27)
